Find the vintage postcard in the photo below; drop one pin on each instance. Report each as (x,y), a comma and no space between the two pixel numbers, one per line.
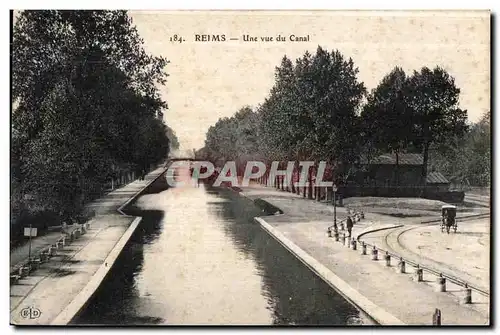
(257,167)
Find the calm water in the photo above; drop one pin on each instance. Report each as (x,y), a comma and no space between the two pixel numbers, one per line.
(198,258)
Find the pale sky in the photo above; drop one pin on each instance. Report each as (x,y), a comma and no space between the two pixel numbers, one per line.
(210,80)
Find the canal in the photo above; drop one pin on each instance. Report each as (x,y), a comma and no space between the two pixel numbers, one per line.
(198,258)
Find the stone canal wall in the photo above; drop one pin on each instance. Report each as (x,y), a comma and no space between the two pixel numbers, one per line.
(81,299)
(388,296)
(379,315)
(54,292)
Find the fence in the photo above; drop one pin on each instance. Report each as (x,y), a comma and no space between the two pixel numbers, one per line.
(23,269)
(388,255)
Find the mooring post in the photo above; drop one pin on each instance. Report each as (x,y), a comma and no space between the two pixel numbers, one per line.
(374,254)
(441,284)
(468,295)
(401,266)
(436,318)
(419,274)
(387,259)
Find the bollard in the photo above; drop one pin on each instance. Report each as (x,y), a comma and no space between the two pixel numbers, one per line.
(336,236)
(342,226)
(401,266)
(436,318)
(374,254)
(468,295)
(387,259)
(354,244)
(419,274)
(441,284)
(329,232)
(363,248)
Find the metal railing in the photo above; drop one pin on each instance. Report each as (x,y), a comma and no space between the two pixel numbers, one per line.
(451,278)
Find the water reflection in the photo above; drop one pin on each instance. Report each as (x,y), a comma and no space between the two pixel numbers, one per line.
(297,295)
(199,258)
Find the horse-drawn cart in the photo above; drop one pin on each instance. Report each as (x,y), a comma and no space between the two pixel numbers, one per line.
(449,218)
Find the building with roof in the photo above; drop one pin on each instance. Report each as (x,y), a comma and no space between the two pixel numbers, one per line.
(405,170)
(437,181)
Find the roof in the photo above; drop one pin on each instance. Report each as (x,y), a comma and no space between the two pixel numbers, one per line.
(404,159)
(436,178)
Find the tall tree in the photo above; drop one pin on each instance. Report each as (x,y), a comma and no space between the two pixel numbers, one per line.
(86,97)
(387,120)
(433,97)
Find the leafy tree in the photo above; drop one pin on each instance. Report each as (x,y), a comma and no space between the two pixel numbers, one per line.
(172,137)
(86,97)
(466,160)
(387,121)
(233,138)
(433,98)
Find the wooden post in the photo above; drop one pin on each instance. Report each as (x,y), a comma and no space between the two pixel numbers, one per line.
(436,318)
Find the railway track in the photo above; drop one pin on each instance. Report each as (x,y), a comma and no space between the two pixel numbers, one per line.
(426,261)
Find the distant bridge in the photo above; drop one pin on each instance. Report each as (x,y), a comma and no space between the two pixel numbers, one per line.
(186,159)
(176,159)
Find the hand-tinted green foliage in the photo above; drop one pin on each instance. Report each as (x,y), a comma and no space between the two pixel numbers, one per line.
(85,99)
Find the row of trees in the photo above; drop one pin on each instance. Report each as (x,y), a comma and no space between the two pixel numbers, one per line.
(85,102)
(319,110)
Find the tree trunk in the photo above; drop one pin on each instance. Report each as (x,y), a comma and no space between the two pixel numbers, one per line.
(426,159)
(310,192)
(397,168)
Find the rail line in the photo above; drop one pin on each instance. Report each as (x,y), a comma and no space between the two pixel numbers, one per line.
(451,278)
